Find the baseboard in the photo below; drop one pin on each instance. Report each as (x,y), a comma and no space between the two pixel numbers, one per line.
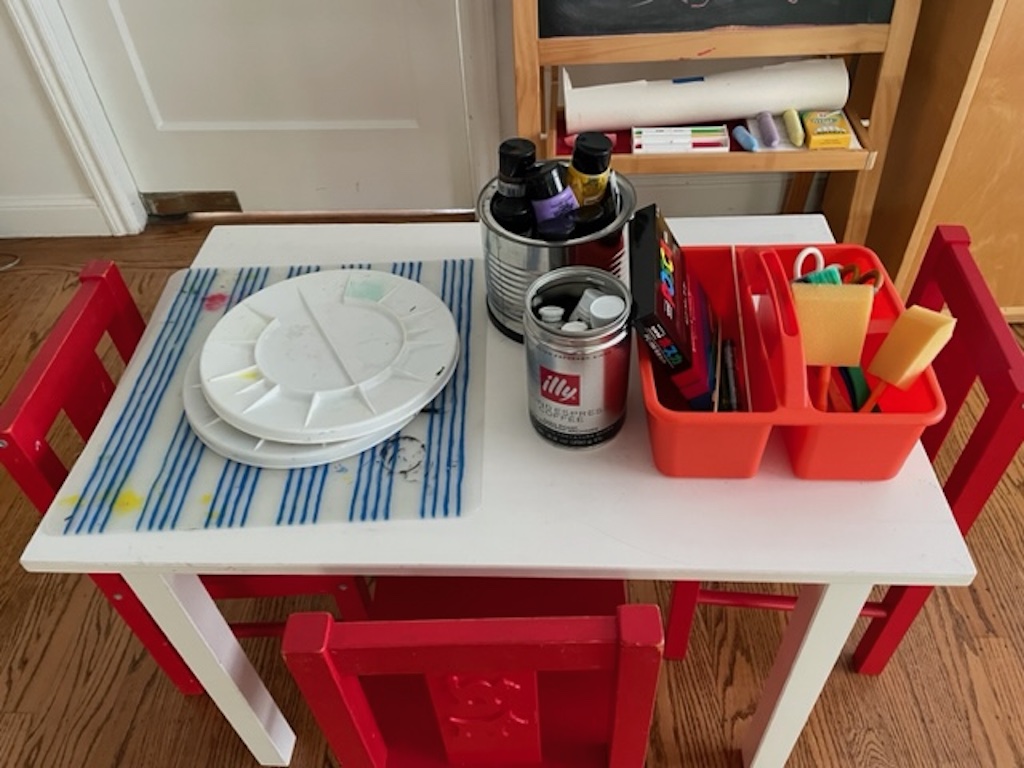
(51,216)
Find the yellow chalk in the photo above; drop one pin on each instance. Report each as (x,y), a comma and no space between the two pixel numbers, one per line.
(794,127)
(833,321)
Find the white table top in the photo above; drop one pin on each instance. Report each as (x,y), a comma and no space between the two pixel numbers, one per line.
(550,511)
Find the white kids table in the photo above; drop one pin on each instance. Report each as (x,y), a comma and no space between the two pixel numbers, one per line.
(515,505)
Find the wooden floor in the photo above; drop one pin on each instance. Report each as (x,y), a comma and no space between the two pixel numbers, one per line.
(76,689)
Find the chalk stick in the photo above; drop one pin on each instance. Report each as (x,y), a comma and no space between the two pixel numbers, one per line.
(745,139)
(769,133)
(794,127)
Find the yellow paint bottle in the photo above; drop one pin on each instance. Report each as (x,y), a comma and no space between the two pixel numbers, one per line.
(590,168)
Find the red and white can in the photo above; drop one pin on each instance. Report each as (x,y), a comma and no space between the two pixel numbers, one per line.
(578,365)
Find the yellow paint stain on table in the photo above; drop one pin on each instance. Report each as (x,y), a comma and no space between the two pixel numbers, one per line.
(128,501)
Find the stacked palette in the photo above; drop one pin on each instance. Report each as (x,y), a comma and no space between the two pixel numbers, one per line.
(318,368)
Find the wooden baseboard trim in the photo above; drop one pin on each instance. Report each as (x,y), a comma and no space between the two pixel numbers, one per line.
(332,217)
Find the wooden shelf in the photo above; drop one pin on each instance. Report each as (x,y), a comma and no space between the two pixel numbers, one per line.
(746,162)
(878,56)
(724,43)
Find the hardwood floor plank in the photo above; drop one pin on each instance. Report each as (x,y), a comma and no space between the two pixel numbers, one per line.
(76,689)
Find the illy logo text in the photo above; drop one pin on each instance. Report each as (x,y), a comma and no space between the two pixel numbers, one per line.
(562,388)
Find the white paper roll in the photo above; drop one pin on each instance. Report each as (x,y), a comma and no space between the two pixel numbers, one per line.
(800,85)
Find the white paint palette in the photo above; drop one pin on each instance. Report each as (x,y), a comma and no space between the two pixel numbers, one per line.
(239,446)
(329,356)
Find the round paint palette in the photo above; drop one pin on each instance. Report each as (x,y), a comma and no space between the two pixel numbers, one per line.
(222,438)
(329,356)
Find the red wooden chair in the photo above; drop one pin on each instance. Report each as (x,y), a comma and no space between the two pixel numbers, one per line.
(983,349)
(67,375)
(553,691)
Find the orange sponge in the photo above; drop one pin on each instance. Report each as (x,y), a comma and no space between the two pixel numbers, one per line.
(917,336)
(833,321)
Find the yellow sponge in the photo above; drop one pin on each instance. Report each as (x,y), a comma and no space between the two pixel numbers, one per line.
(917,336)
(833,321)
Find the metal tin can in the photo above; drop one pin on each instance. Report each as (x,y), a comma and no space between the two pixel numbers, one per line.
(512,262)
(577,379)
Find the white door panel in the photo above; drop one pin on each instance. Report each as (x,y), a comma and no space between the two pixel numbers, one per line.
(301,105)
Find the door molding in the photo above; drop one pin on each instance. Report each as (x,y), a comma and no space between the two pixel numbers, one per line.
(55,57)
(61,70)
(478,57)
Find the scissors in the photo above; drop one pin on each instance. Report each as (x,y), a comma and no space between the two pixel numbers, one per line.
(851,274)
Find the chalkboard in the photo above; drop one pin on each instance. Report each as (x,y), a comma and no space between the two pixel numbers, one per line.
(576,18)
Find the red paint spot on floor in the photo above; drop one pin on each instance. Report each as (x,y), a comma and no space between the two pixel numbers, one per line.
(215,301)
(705,52)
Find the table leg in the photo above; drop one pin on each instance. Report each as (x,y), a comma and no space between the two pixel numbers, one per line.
(813,641)
(184,610)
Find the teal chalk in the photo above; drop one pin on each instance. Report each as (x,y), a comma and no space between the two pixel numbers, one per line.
(745,139)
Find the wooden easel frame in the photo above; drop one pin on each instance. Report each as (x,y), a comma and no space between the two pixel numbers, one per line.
(879,53)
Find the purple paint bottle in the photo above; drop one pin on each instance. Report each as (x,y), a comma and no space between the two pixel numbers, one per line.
(553,201)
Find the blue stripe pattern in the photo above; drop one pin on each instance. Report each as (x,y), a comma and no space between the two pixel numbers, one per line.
(447,424)
(180,462)
(95,504)
(195,487)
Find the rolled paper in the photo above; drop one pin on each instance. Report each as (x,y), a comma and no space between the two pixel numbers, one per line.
(802,85)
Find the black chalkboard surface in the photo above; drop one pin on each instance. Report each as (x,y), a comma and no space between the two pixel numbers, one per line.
(576,18)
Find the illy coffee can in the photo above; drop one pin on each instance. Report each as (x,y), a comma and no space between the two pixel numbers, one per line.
(576,329)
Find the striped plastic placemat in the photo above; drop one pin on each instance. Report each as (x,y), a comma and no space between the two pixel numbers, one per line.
(153,473)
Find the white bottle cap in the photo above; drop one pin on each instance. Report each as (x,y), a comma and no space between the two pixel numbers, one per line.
(576,325)
(605,309)
(551,313)
(582,309)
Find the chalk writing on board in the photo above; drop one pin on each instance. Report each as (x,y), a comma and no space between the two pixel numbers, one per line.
(574,18)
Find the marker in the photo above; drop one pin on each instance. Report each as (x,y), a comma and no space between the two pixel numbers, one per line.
(678,144)
(678,132)
(745,139)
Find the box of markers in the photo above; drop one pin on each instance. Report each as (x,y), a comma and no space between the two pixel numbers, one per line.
(686,138)
(673,316)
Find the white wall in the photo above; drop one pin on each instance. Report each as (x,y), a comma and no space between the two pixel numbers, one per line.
(42,190)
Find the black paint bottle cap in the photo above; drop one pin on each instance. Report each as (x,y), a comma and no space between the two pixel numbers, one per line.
(592,153)
(516,158)
(546,181)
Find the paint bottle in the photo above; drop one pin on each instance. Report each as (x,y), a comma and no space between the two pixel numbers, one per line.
(553,201)
(509,205)
(590,167)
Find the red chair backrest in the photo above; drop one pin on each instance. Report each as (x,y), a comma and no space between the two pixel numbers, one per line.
(983,348)
(67,375)
(499,689)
